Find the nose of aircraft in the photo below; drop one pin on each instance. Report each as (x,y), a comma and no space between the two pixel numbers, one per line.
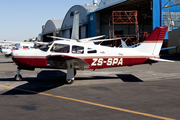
(19,53)
(21,58)
(15,56)
(14,53)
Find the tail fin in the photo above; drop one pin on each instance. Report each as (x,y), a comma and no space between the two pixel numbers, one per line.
(153,43)
(75,29)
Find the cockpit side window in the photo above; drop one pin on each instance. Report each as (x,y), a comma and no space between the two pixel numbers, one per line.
(77,49)
(26,47)
(60,48)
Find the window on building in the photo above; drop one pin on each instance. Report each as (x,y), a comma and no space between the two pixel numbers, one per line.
(77,49)
(175,16)
(61,48)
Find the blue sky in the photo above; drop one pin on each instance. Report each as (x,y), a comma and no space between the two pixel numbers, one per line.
(23,19)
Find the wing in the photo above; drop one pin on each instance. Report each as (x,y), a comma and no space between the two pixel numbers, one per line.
(59,61)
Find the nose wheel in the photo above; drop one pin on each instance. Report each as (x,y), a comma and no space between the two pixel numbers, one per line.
(18,76)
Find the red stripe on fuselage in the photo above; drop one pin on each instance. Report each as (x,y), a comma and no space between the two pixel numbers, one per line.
(114,61)
(30,62)
(94,62)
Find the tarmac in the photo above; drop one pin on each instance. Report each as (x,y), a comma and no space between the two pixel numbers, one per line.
(142,92)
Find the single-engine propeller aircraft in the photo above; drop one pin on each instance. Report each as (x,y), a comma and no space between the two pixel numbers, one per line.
(79,54)
(72,55)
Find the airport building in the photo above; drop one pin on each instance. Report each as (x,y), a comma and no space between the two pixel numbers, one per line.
(51,28)
(131,20)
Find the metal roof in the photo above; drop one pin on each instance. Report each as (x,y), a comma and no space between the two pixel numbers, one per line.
(84,10)
(90,7)
(108,3)
(52,25)
(57,23)
(124,4)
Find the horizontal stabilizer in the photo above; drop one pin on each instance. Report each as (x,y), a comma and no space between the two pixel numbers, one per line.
(168,48)
(160,60)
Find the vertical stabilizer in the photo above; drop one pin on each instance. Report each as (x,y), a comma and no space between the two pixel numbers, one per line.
(153,43)
(75,29)
(157,34)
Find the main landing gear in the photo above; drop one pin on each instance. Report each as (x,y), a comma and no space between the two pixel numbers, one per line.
(71,72)
(18,76)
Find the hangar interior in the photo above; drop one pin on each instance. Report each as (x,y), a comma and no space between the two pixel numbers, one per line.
(128,30)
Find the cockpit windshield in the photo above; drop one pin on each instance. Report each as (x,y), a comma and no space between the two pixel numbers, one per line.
(61,48)
(46,47)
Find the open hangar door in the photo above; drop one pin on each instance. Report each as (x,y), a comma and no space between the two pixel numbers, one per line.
(127,31)
(47,39)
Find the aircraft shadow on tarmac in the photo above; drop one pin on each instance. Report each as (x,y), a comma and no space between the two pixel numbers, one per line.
(123,77)
(129,78)
(47,80)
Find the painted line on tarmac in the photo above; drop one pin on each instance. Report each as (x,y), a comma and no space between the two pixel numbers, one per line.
(91,103)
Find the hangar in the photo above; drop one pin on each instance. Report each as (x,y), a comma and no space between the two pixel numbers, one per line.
(51,28)
(131,20)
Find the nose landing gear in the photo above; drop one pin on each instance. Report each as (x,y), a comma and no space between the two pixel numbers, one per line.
(18,76)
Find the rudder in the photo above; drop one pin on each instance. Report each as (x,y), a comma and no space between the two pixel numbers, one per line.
(153,43)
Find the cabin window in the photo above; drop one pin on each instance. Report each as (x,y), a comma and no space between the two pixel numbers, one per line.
(61,48)
(77,49)
(91,50)
(25,47)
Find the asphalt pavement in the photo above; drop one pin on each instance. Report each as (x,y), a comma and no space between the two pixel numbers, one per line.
(141,92)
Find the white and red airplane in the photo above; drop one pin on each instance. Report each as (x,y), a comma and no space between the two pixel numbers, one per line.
(74,55)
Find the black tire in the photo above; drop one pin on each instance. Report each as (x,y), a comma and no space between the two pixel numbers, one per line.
(18,79)
(69,81)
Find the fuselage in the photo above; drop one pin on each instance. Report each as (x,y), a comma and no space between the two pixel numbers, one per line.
(84,56)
